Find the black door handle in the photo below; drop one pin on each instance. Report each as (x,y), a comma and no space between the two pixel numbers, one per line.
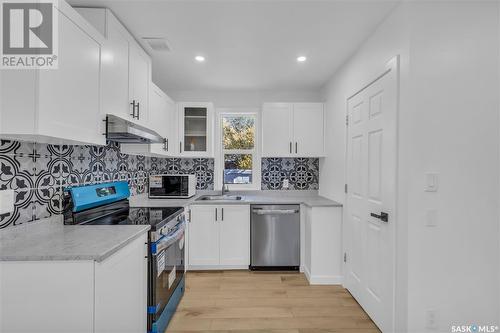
(383,216)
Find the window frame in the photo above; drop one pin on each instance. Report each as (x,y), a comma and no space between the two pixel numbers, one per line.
(219,149)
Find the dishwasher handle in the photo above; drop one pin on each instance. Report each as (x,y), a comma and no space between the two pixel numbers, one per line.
(274,211)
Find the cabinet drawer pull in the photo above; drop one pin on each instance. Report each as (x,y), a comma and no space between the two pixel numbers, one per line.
(290,147)
(295,147)
(215,214)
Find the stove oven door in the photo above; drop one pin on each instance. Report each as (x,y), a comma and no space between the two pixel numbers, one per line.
(166,272)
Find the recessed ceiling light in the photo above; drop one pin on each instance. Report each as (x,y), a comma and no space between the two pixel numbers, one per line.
(199,58)
(301,59)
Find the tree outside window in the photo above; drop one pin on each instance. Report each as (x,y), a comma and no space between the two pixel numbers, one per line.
(238,148)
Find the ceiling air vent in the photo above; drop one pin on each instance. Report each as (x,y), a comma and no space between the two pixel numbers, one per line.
(157,43)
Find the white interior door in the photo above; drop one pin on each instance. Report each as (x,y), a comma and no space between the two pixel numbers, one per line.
(371,179)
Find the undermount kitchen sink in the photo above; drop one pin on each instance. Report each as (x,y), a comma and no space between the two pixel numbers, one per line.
(219,197)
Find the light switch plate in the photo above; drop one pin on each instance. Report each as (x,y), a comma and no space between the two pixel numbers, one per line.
(431,218)
(6,201)
(431,182)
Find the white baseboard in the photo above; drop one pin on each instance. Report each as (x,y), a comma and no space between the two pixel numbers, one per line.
(307,273)
(322,279)
(215,268)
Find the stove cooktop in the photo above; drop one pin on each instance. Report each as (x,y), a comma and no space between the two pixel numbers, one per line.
(157,217)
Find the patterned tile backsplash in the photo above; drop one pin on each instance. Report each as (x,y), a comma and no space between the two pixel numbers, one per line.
(302,173)
(38,173)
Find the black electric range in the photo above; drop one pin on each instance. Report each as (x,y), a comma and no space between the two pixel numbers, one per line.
(107,204)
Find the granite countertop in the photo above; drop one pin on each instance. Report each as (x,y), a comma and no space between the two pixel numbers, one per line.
(50,239)
(308,198)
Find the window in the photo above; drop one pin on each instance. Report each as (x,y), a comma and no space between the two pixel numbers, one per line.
(239,153)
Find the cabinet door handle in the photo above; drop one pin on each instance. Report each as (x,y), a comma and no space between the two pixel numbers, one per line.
(215,214)
(133,108)
(222,214)
(290,147)
(295,147)
(138,110)
(180,147)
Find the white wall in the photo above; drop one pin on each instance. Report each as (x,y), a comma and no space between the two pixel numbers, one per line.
(245,99)
(389,40)
(455,127)
(449,124)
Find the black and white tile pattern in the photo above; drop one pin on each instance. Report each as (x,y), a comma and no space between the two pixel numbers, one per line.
(302,173)
(38,173)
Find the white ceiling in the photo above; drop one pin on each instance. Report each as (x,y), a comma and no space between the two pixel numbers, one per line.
(249,45)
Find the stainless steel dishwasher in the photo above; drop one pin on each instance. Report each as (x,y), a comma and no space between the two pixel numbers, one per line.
(275,237)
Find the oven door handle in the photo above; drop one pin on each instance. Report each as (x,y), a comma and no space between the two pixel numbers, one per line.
(168,240)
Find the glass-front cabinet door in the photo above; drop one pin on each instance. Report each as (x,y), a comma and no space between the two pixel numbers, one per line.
(195,129)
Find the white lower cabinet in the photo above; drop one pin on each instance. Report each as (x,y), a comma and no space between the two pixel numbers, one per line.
(203,236)
(121,283)
(234,235)
(322,257)
(219,237)
(76,296)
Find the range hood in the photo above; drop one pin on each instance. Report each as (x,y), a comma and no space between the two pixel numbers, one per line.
(124,131)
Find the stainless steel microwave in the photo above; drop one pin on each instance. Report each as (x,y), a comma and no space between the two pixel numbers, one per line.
(172,186)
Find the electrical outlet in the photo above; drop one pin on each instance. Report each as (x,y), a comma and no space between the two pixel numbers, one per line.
(6,201)
(286,183)
(431,319)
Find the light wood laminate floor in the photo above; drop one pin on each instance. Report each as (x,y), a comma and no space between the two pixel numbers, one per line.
(244,302)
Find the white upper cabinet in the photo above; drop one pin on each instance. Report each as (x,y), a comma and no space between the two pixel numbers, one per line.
(139,78)
(308,130)
(58,105)
(126,68)
(195,129)
(293,130)
(114,62)
(161,115)
(277,129)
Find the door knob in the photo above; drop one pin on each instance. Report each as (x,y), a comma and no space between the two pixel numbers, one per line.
(383,216)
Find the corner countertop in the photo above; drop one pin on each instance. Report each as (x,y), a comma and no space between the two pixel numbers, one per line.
(307,198)
(50,239)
